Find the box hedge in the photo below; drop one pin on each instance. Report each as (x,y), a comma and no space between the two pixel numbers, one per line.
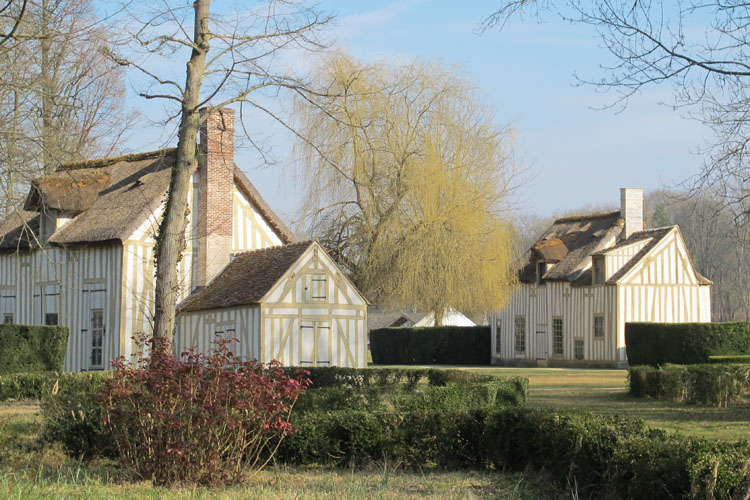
(26,348)
(685,343)
(449,345)
(596,456)
(38,386)
(712,384)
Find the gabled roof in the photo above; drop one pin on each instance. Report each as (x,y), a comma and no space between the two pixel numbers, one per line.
(392,318)
(654,235)
(568,245)
(247,187)
(246,279)
(110,199)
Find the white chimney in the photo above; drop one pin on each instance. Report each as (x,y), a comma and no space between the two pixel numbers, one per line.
(631,209)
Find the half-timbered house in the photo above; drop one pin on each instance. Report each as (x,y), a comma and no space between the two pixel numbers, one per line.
(289,303)
(79,252)
(589,275)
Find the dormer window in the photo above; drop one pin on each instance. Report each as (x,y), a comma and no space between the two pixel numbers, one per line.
(541,269)
(598,271)
(47,224)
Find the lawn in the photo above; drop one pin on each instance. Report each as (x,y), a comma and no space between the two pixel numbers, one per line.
(606,392)
(31,471)
(28,470)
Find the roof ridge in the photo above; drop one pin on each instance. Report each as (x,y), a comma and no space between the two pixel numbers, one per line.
(104,162)
(273,248)
(596,215)
(656,229)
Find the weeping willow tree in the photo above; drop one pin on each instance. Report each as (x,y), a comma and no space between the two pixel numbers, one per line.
(407,182)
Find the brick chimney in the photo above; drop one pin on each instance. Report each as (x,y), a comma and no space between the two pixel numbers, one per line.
(631,209)
(215,183)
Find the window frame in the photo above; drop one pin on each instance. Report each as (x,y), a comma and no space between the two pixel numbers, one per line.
(600,333)
(555,344)
(313,288)
(498,336)
(576,344)
(519,335)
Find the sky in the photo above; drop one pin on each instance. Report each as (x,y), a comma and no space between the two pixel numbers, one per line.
(575,154)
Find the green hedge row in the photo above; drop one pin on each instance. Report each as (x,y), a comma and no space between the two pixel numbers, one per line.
(598,457)
(25,348)
(452,397)
(712,385)
(684,343)
(387,378)
(449,345)
(38,385)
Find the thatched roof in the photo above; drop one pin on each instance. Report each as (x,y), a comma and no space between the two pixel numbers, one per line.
(18,230)
(568,244)
(108,200)
(246,279)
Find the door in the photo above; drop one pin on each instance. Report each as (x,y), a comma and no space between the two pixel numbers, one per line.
(541,346)
(314,343)
(97,338)
(94,327)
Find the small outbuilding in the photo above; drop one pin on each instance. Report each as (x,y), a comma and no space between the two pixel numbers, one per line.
(288,303)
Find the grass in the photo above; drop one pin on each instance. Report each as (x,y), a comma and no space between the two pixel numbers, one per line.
(29,470)
(286,483)
(606,392)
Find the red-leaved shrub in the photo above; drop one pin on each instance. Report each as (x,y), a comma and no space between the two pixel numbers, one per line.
(202,419)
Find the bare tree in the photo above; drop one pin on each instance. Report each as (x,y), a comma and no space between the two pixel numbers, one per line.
(11,14)
(407,179)
(718,244)
(61,98)
(700,47)
(242,67)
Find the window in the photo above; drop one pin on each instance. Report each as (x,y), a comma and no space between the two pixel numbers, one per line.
(316,288)
(497,336)
(8,318)
(579,350)
(598,326)
(97,337)
(598,269)
(50,319)
(541,268)
(557,336)
(520,334)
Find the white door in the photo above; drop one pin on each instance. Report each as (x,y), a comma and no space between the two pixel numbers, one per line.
(314,343)
(94,326)
(541,345)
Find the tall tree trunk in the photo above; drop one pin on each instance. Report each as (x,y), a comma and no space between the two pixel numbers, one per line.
(170,241)
(47,90)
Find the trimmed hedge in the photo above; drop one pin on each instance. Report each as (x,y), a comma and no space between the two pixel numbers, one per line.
(26,348)
(74,417)
(448,345)
(387,378)
(684,343)
(712,385)
(41,385)
(600,457)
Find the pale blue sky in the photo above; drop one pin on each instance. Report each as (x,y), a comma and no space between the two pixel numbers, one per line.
(578,156)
